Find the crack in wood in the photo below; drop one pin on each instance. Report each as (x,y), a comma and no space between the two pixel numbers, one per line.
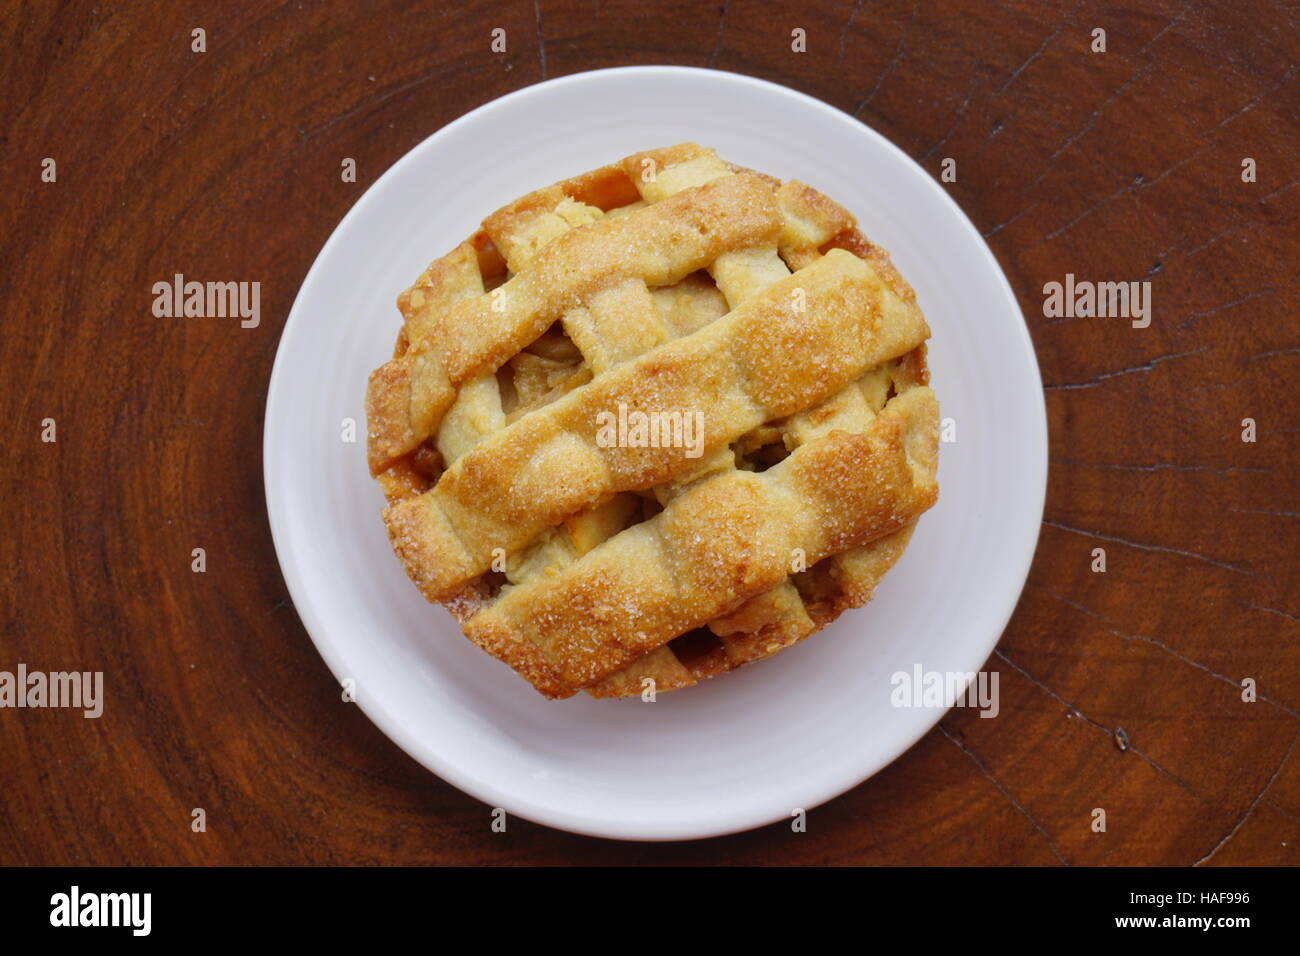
(1041,48)
(1090,123)
(1227,305)
(1108,731)
(1253,804)
(1234,228)
(1151,547)
(1005,793)
(1290,350)
(1002,225)
(1155,643)
(1178,18)
(898,55)
(1144,367)
(1141,182)
(541,40)
(375,101)
(717,37)
(1282,810)
(1163,257)
(1162,466)
(845,30)
(961,111)
(1272,610)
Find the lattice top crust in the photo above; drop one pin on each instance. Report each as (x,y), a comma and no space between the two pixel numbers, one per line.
(783,442)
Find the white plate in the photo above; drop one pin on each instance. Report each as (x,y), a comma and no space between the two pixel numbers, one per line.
(743,749)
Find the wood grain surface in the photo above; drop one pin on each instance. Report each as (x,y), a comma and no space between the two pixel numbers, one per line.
(1122,165)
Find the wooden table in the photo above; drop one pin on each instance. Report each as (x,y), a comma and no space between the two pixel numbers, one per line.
(1123,165)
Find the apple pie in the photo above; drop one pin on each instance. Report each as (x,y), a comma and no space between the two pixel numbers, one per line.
(654,422)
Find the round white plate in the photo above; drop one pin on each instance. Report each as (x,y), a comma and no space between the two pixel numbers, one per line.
(745,748)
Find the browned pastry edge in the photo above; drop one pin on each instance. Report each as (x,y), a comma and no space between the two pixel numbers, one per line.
(826,594)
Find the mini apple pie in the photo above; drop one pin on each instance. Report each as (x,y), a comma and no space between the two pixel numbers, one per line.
(654,422)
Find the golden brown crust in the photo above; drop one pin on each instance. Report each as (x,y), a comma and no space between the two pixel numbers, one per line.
(726,540)
(455,338)
(765,360)
(507,507)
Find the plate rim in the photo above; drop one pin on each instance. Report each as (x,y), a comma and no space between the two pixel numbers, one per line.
(413,745)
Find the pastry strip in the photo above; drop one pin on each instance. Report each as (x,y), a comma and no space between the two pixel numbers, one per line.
(660,244)
(775,355)
(722,542)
